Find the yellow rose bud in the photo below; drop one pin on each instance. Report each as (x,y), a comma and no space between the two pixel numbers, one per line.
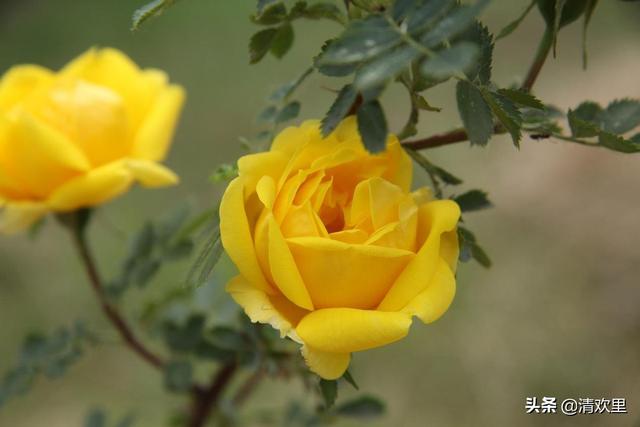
(332,248)
(80,137)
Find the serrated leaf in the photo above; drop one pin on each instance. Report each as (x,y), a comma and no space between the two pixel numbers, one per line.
(224,172)
(260,44)
(385,67)
(148,11)
(453,24)
(617,143)
(324,11)
(450,62)
(581,128)
(288,112)
(620,116)
(474,112)
(362,408)
(178,376)
(339,109)
(361,41)
(512,26)
(523,98)
(272,13)
(425,14)
(329,391)
(183,338)
(282,40)
(372,126)
(506,113)
(481,69)
(473,200)
(469,248)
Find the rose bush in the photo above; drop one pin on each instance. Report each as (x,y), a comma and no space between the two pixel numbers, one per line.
(332,249)
(82,136)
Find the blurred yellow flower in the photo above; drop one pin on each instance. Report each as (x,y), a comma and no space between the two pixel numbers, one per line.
(82,136)
(332,248)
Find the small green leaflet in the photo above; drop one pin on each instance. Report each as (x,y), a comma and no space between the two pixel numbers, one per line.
(362,408)
(506,112)
(451,62)
(511,27)
(341,106)
(148,11)
(372,126)
(473,200)
(329,391)
(474,112)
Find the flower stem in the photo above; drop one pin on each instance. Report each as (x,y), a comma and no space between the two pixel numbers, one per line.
(78,234)
(205,400)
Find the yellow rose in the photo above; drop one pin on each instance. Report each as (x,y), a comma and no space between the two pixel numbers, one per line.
(332,248)
(82,136)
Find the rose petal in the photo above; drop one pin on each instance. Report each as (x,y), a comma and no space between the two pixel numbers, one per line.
(338,274)
(284,270)
(434,219)
(274,310)
(345,330)
(236,235)
(434,301)
(93,188)
(329,366)
(151,174)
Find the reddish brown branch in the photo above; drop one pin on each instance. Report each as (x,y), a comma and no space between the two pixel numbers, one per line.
(205,400)
(248,387)
(108,308)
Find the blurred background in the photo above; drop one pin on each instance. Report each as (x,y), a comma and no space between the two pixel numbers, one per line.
(557,315)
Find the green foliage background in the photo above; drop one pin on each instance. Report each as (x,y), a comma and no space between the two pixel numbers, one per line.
(556,315)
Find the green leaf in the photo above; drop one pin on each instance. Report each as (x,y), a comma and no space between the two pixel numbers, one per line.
(511,27)
(271,13)
(227,338)
(481,69)
(96,418)
(324,11)
(143,242)
(260,44)
(453,24)
(184,338)
(385,67)
(474,112)
(178,250)
(618,143)
(349,378)
(269,114)
(282,40)
(206,260)
(473,200)
(571,10)
(522,97)
(178,376)
(329,391)
(422,15)
(223,173)
(148,11)
(581,128)
(450,62)
(620,116)
(506,112)
(339,109)
(126,421)
(423,104)
(362,408)
(361,41)
(372,126)
(145,271)
(288,112)
(469,248)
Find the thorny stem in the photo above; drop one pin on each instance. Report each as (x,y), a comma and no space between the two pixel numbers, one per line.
(460,135)
(204,398)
